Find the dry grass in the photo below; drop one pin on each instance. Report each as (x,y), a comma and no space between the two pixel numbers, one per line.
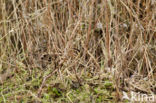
(76,50)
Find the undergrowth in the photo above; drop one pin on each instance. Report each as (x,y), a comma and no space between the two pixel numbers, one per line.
(76,51)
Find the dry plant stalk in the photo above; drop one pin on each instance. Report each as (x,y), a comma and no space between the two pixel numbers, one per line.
(65,31)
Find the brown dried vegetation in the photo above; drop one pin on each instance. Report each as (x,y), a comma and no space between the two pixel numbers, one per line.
(73,38)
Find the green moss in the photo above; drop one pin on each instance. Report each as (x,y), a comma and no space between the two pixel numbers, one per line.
(108,84)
